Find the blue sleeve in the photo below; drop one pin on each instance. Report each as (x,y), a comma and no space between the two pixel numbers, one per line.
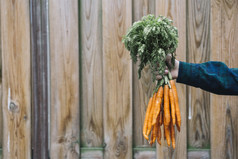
(211,76)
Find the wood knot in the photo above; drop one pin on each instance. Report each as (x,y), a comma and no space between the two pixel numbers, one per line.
(13,107)
(121,145)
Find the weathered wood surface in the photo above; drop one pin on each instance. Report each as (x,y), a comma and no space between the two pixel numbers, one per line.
(142,88)
(224,109)
(92,77)
(91,153)
(198,24)
(1,124)
(199,154)
(15,41)
(39,49)
(144,153)
(117,80)
(64,50)
(176,10)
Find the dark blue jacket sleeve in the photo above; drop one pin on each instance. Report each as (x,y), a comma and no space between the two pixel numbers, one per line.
(211,76)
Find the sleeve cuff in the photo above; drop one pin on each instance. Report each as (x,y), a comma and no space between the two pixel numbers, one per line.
(188,74)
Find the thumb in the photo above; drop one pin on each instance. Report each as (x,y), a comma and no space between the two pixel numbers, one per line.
(169,61)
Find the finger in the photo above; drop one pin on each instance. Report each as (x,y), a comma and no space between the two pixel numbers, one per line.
(158,77)
(168,60)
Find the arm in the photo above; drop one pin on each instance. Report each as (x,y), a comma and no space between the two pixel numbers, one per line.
(211,76)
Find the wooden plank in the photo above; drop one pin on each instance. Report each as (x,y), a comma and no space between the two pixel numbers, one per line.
(39,48)
(91,153)
(176,10)
(142,8)
(144,153)
(224,109)
(198,23)
(64,49)
(1,124)
(199,154)
(117,80)
(143,88)
(16,83)
(92,88)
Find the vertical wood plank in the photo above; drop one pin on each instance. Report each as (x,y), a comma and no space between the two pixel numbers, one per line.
(64,50)
(117,80)
(142,88)
(39,48)
(92,89)
(1,116)
(198,23)
(1,124)
(224,109)
(15,40)
(176,10)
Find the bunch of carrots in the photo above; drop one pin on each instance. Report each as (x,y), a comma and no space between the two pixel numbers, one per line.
(149,41)
(163,109)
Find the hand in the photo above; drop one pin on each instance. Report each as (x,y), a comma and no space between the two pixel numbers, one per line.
(174,71)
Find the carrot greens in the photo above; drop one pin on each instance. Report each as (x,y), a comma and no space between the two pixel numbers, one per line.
(150,40)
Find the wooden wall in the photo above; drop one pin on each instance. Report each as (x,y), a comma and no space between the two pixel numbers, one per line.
(97,104)
(224,109)
(198,30)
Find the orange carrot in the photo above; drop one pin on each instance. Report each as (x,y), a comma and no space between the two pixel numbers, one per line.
(157,105)
(151,115)
(155,131)
(172,132)
(159,136)
(172,104)
(164,127)
(178,127)
(146,119)
(153,135)
(167,134)
(166,106)
(160,118)
(158,123)
(166,114)
(177,111)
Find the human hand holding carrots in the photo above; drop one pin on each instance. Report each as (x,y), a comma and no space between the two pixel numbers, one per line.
(173,70)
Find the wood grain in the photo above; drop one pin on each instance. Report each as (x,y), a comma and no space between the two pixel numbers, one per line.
(16,83)
(199,154)
(176,10)
(142,88)
(117,80)
(64,50)
(92,84)
(1,124)
(142,153)
(39,49)
(198,24)
(224,109)
(91,153)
